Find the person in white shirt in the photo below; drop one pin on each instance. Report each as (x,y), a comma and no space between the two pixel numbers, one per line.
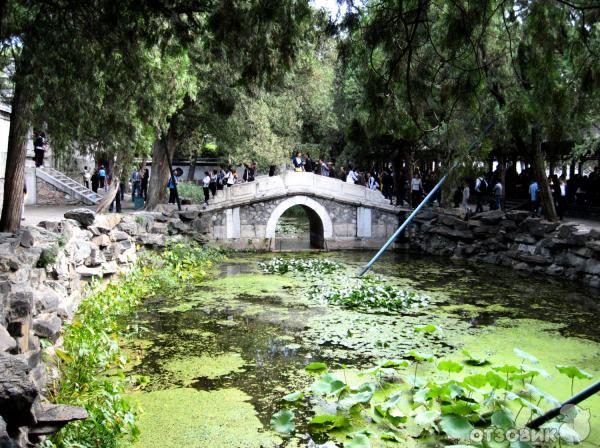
(498,194)
(416,186)
(372,183)
(466,193)
(87,175)
(351,177)
(206,186)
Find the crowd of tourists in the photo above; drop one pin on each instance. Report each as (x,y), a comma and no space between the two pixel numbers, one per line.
(486,191)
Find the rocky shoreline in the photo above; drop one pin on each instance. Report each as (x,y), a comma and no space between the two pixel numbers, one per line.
(513,239)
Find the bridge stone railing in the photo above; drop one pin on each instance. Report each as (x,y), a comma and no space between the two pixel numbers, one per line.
(292,183)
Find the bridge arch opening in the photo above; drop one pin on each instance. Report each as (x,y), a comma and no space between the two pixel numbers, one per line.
(320,225)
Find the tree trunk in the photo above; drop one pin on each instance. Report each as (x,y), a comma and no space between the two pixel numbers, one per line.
(16,155)
(410,165)
(192,169)
(397,165)
(163,147)
(112,191)
(539,170)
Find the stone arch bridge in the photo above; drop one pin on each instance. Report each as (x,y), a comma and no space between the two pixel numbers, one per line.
(341,215)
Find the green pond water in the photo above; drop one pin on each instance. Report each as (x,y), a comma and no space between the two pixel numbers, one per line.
(219,355)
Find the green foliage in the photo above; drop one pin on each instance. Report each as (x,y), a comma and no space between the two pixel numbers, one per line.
(305,265)
(92,361)
(439,411)
(191,191)
(48,256)
(370,293)
(283,422)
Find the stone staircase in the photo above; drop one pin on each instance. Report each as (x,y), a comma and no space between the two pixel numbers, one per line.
(71,187)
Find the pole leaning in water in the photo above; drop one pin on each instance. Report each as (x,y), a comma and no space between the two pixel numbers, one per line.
(421,205)
(403,226)
(576,399)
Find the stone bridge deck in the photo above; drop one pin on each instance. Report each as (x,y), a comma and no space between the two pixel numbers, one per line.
(266,188)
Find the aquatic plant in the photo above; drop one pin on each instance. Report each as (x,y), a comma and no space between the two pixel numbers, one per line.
(371,293)
(489,408)
(304,265)
(92,362)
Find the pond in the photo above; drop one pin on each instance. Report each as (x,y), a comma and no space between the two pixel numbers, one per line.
(219,355)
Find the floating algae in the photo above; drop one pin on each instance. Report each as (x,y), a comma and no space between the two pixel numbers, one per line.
(211,367)
(272,324)
(178,418)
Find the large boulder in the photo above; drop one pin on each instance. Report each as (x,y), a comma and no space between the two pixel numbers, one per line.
(490,217)
(7,342)
(17,392)
(577,235)
(106,223)
(45,300)
(517,215)
(83,216)
(5,440)
(47,325)
(452,221)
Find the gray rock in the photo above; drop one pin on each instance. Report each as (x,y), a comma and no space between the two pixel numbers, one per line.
(535,259)
(454,233)
(118,235)
(153,240)
(524,238)
(571,260)
(577,235)
(8,262)
(45,300)
(159,227)
(47,325)
(188,215)
(86,271)
(27,239)
(20,304)
(508,224)
(78,250)
(82,215)
(96,257)
(425,215)
(592,267)
(52,417)
(490,217)
(5,440)
(110,268)
(517,215)
(554,269)
(485,230)
(105,223)
(17,392)
(452,221)
(7,343)
(129,227)
(594,246)
(101,240)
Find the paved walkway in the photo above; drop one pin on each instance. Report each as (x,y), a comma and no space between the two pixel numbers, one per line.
(36,213)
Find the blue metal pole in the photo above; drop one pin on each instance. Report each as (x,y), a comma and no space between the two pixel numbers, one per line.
(403,226)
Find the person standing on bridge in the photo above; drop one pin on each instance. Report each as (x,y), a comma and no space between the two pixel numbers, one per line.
(416,187)
(324,168)
(206,186)
(298,162)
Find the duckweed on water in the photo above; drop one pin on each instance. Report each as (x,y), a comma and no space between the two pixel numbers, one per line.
(177,418)
(189,368)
